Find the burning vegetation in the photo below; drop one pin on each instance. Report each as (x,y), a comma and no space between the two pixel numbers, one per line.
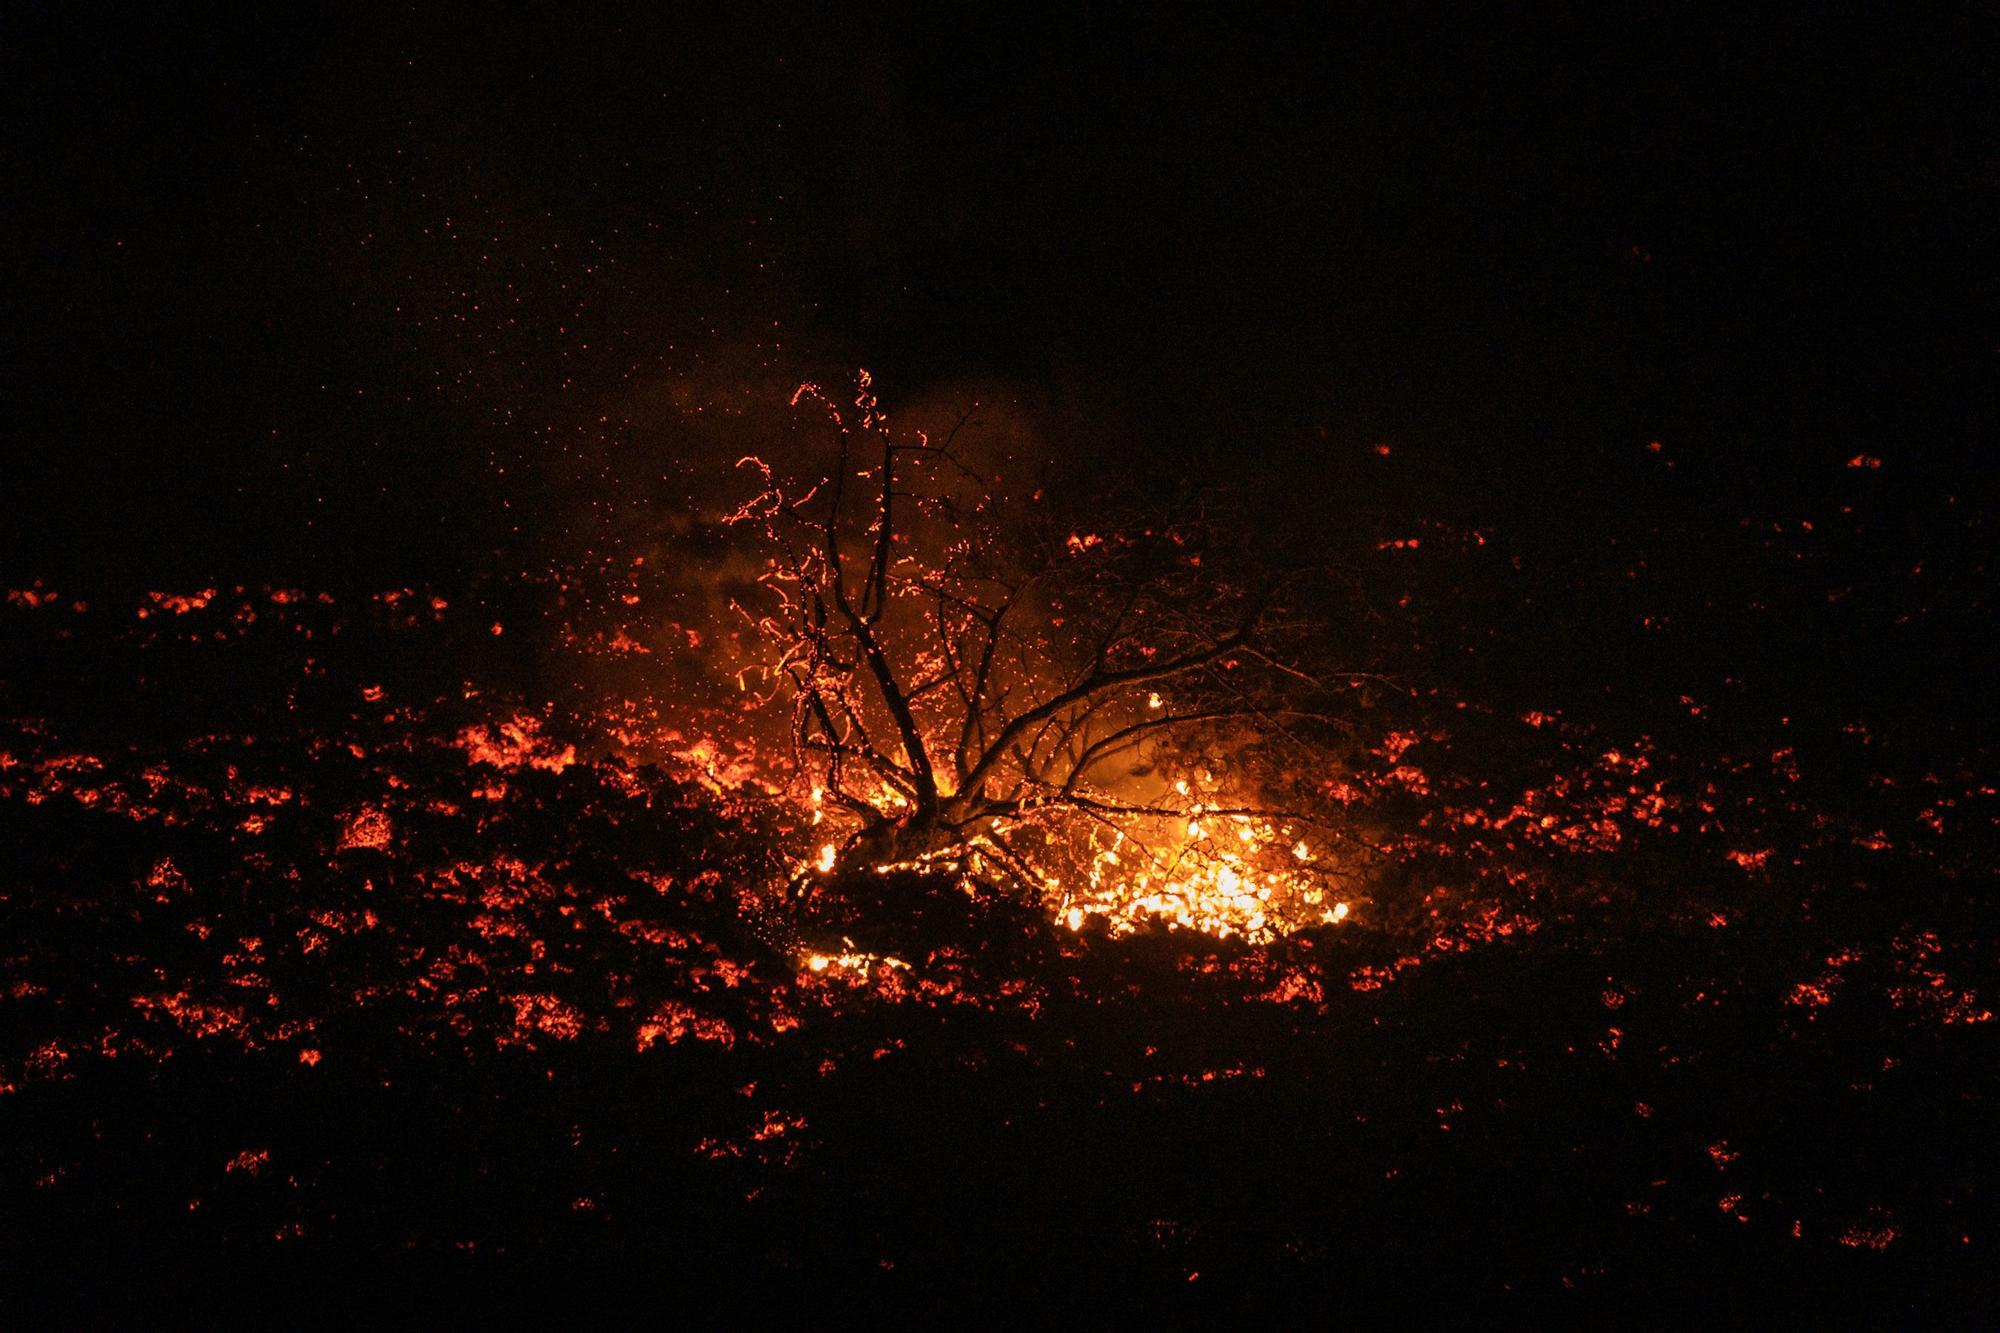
(1075,848)
(1419,756)
(1121,723)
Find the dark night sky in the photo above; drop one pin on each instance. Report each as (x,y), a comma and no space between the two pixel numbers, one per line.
(290,290)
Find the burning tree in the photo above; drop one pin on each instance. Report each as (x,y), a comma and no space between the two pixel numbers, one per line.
(1129,718)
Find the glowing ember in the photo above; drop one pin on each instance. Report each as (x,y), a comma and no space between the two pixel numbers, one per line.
(369,828)
(514,743)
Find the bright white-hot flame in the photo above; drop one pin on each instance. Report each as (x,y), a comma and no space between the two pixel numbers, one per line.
(1183,874)
(1177,870)
(852,964)
(1175,866)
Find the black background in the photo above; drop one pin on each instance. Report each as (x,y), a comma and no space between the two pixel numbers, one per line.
(350,292)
